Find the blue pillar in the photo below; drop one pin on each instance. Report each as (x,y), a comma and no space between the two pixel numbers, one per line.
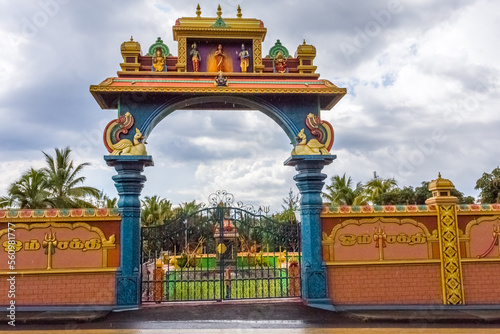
(129,183)
(310,182)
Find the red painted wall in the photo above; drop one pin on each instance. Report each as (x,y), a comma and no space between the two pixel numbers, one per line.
(385,284)
(61,289)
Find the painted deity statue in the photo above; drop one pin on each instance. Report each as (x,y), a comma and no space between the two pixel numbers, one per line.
(159,61)
(244,58)
(280,63)
(195,58)
(220,57)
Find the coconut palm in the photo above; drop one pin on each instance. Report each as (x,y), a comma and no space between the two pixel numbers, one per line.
(64,183)
(155,210)
(104,201)
(5,202)
(341,192)
(29,192)
(378,186)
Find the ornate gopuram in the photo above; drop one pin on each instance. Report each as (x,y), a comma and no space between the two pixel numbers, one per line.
(218,64)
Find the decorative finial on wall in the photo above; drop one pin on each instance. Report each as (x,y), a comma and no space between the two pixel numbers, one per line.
(239,12)
(219,11)
(198,11)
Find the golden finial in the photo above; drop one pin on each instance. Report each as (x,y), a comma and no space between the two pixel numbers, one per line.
(239,12)
(219,11)
(304,42)
(131,38)
(198,11)
(439,175)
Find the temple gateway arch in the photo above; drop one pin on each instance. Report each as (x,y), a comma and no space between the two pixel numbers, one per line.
(219,66)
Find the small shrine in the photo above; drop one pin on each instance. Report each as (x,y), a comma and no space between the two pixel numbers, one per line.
(217,44)
(226,238)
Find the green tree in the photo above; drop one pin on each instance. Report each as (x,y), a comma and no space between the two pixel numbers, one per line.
(462,199)
(155,210)
(104,201)
(341,192)
(63,182)
(291,204)
(291,201)
(422,193)
(398,196)
(29,192)
(187,208)
(489,184)
(378,186)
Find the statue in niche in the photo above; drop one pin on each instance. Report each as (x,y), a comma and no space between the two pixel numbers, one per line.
(159,61)
(219,58)
(280,63)
(195,58)
(219,61)
(244,58)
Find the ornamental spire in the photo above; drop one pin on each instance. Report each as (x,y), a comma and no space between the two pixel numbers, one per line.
(239,12)
(219,11)
(198,11)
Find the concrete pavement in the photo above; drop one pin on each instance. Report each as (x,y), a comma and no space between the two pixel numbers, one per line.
(271,316)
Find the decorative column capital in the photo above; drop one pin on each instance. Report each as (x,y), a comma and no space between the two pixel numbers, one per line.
(301,162)
(123,163)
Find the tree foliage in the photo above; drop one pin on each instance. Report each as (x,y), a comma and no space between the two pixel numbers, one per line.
(155,211)
(64,183)
(58,185)
(489,184)
(30,192)
(342,192)
(380,191)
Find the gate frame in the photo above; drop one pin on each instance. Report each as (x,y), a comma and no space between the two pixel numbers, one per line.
(218,212)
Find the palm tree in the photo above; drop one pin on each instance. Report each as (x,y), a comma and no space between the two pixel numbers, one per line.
(29,192)
(378,186)
(341,192)
(5,202)
(103,201)
(64,183)
(155,210)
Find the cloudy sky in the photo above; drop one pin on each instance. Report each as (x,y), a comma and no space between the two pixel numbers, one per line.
(422,81)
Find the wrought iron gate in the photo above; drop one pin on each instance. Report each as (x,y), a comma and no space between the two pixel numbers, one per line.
(220,252)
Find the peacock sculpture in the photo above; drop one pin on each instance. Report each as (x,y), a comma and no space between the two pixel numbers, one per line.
(322,144)
(117,146)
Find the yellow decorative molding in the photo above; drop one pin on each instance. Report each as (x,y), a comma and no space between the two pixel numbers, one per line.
(107,243)
(58,271)
(426,237)
(387,262)
(257,56)
(451,268)
(182,55)
(483,260)
(478,221)
(228,90)
(466,237)
(61,215)
(378,210)
(375,220)
(173,75)
(70,226)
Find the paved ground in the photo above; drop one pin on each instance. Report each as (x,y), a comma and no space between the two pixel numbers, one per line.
(270,317)
(273,331)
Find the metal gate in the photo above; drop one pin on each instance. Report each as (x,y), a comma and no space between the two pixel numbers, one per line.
(218,253)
